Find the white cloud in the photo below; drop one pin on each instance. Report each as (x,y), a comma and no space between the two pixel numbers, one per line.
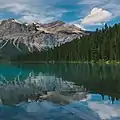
(92,2)
(110,10)
(36,18)
(29,10)
(105,111)
(114,7)
(111,5)
(80,26)
(77,24)
(16,8)
(97,16)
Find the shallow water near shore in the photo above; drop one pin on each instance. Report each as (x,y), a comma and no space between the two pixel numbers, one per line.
(20,82)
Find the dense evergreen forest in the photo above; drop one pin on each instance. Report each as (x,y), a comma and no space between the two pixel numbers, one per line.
(101,44)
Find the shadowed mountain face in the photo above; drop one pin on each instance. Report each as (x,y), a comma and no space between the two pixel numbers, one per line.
(23,38)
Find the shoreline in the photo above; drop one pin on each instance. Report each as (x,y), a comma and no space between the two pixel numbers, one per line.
(72,62)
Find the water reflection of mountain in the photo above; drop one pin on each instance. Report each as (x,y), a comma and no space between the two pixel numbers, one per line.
(102,79)
(22,84)
(95,78)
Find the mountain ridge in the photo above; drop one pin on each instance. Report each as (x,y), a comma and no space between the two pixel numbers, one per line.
(23,38)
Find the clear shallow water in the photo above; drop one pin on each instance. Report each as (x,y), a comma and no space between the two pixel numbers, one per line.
(101,82)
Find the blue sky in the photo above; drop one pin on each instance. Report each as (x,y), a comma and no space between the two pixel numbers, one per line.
(88,14)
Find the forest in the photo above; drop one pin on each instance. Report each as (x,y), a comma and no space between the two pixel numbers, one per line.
(102,44)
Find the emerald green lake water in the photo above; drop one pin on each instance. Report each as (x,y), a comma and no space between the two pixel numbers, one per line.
(101,82)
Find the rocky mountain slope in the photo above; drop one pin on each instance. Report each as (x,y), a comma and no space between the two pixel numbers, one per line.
(17,38)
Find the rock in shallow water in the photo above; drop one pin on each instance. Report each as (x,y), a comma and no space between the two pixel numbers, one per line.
(57,97)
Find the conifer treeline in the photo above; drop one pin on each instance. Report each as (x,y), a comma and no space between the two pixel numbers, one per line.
(101,44)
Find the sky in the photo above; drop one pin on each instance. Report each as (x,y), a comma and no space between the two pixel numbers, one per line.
(87,14)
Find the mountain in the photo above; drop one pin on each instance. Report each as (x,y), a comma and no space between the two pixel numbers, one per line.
(20,38)
(101,45)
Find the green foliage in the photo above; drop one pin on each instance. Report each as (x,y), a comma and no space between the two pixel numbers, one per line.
(99,45)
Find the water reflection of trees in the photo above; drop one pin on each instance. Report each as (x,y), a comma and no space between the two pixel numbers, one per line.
(111,98)
(103,79)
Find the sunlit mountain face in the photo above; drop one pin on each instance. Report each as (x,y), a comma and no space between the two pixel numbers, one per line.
(18,38)
(22,85)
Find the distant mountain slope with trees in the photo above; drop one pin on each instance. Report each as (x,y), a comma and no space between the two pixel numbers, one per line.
(101,44)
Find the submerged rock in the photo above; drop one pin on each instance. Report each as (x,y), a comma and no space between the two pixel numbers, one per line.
(57,97)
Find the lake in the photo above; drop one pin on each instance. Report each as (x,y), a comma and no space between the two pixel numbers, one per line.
(21,86)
